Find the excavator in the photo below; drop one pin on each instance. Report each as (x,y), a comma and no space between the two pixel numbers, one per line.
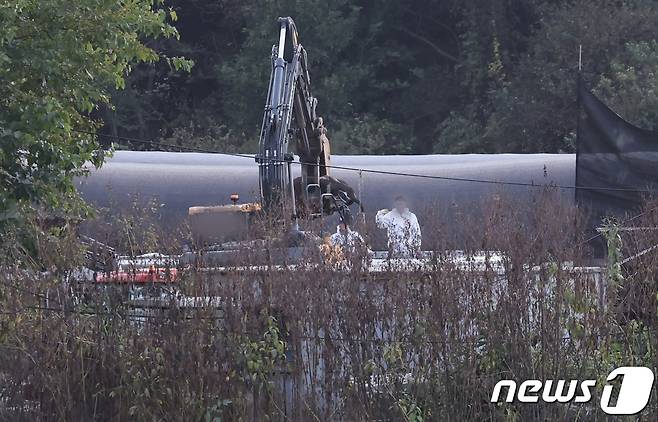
(290,127)
(290,118)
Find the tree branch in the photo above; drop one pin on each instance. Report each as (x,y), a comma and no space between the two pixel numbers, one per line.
(431,44)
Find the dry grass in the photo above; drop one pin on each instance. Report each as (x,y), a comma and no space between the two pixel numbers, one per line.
(322,344)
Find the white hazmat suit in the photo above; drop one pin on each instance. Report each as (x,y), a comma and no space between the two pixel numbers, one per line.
(404,235)
(349,240)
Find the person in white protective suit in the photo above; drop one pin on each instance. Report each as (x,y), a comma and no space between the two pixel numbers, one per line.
(404,235)
(346,238)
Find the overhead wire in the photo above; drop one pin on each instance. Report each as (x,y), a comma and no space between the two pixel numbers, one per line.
(374,171)
(393,173)
(346,168)
(626,221)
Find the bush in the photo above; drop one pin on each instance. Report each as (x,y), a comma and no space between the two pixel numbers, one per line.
(320,343)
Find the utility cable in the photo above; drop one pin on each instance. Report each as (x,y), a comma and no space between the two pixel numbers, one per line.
(373,171)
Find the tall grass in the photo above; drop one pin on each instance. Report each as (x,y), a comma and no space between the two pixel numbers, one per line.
(333,342)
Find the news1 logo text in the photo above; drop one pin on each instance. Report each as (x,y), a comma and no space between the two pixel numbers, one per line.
(632,394)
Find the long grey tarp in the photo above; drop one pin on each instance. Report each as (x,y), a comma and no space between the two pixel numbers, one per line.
(181,180)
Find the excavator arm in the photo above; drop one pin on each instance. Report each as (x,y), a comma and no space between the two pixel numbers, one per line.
(290,118)
(290,126)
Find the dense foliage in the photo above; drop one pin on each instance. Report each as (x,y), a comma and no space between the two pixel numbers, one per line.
(409,76)
(59,60)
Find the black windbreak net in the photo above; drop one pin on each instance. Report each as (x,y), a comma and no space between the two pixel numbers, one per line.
(616,162)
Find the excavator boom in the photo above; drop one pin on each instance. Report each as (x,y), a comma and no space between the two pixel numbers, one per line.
(290,118)
(290,127)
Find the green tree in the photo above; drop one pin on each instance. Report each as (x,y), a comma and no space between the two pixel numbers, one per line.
(630,85)
(399,76)
(535,108)
(326,30)
(58,61)
(179,107)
